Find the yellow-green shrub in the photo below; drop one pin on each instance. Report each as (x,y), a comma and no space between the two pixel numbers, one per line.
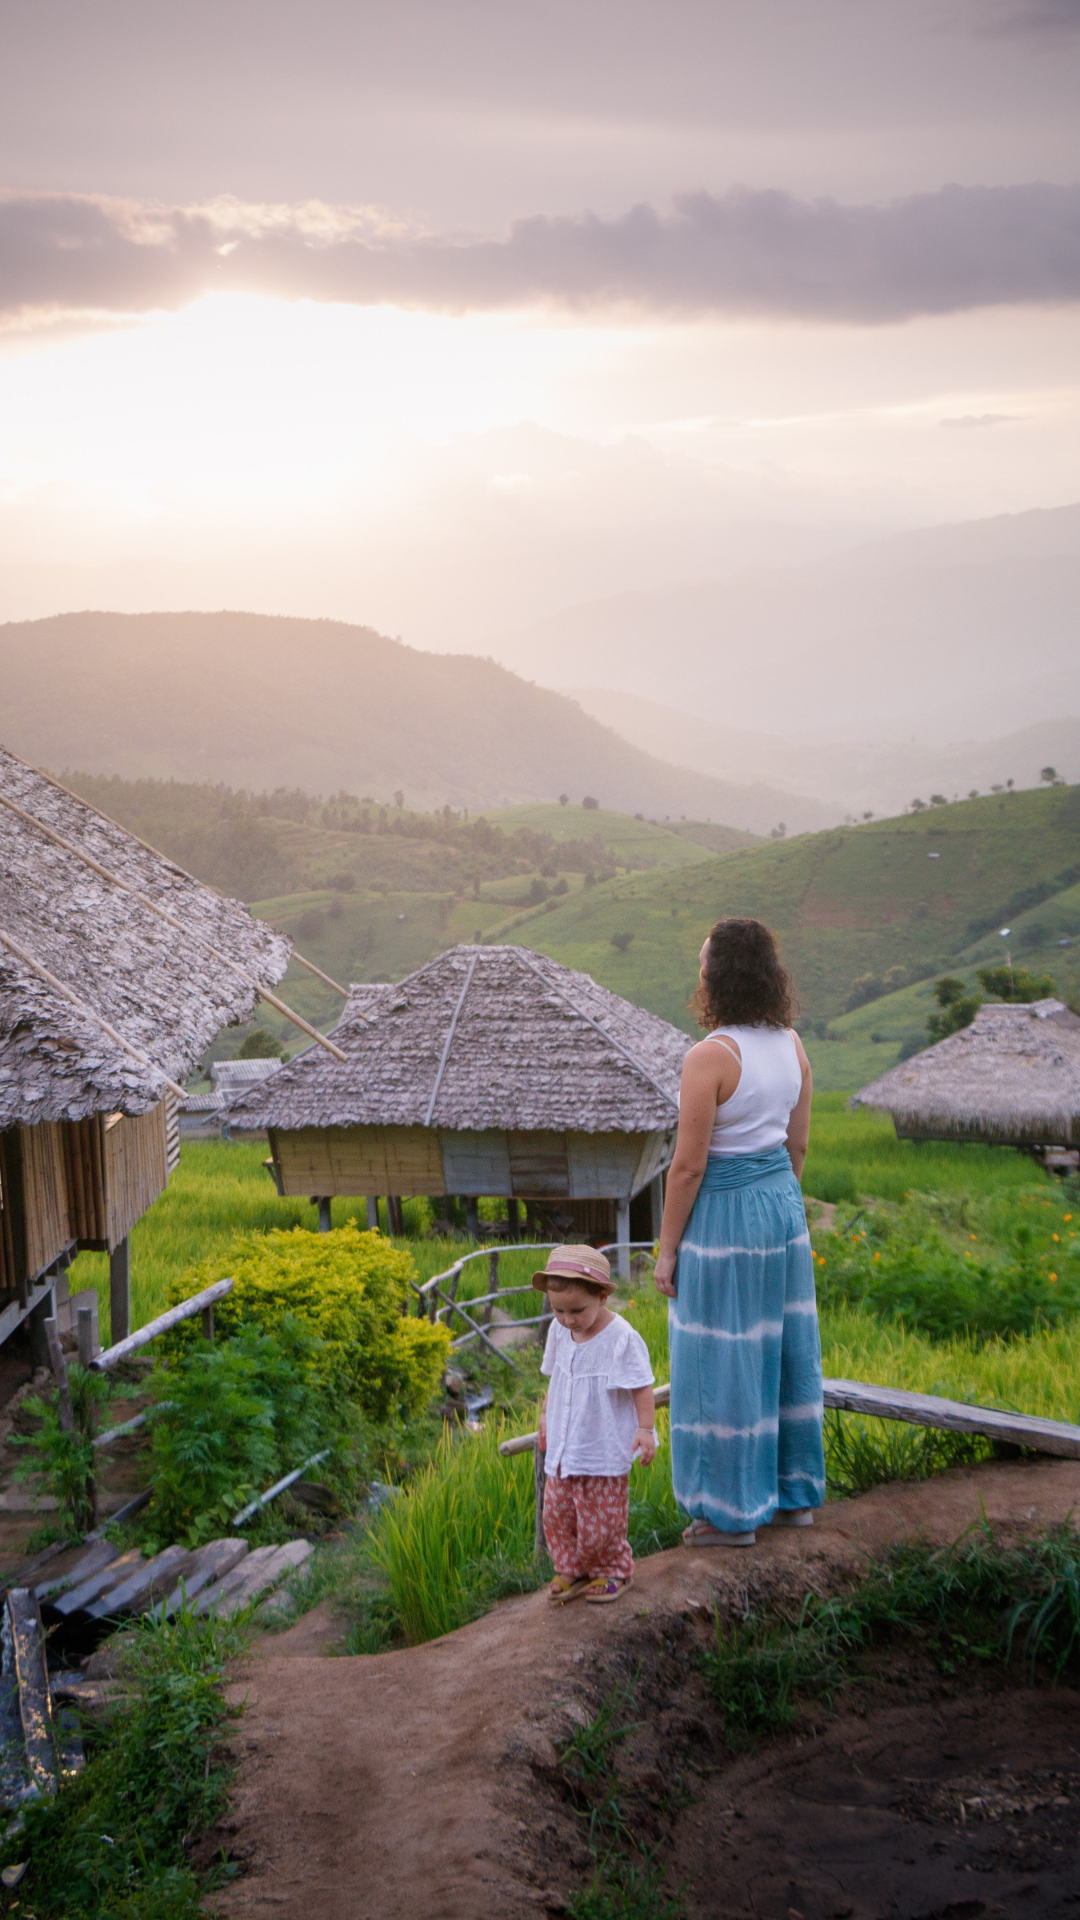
(350,1288)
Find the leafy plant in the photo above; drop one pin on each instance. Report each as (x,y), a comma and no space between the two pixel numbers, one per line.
(351,1289)
(63,1461)
(1016,983)
(109,1845)
(234,1415)
(958,1008)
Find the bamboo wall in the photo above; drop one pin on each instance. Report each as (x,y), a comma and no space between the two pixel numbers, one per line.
(84,1183)
(420,1160)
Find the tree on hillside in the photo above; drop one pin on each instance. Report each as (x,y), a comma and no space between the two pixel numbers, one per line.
(1016,984)
(589,801)
(260,1045)
(1052,777)
(958,1008)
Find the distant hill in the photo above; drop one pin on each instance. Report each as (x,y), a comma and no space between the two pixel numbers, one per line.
(262,702)
(944,634)
(920,893)
(830,780)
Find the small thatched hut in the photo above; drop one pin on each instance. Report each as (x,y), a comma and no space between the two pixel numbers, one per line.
(116,970)
(494,1071)
(1013,1077)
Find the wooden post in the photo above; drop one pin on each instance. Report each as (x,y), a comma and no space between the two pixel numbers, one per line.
(120,1291)
(87,1332)
(472,1216)
(512,1217)
(325,1220)
(395,1219)
(208,1322)
(539,1540)
(36,1320)
(493,1283)
(622,1236)
(59,1368)
(656,1197)
(372,1203)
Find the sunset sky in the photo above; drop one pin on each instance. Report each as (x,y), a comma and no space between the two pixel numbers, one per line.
(443,315)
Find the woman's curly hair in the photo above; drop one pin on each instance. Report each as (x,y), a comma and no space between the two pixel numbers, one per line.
(745,984)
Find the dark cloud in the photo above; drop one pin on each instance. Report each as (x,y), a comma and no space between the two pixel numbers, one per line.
(747,252)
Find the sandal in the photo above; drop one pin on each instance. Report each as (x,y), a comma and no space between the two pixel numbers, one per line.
(600,1593)
(563,1588)
(700,1534)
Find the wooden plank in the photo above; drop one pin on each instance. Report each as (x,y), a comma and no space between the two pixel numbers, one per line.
(539,1168)
(258,1579)
(955,1416)
(95,1560)
(220,1592)
(211,1563)
(475,1163)
(31,1674)
(655,1156)
(162,1324)
(110,1574)
(602,1165)
(920,1410)
(147,1583)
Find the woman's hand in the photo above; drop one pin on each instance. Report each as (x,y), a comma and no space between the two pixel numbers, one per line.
(645,1443)
(664,1273)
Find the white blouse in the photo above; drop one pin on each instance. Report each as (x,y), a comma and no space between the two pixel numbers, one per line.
(591,1417)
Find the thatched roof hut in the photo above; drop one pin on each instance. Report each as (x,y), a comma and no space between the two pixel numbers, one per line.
(116,970)
(1013,1077)
(492,1070)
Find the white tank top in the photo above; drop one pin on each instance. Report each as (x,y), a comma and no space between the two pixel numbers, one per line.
(756,1118)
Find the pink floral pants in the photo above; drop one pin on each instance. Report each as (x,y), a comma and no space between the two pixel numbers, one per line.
(585,1521)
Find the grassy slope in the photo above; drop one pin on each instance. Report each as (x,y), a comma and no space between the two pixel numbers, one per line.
(850,901)
(635,843)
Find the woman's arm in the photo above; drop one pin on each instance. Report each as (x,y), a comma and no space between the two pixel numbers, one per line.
(798,1133)
(710,1076)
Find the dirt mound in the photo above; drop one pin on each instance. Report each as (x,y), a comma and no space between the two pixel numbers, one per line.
(422,1782)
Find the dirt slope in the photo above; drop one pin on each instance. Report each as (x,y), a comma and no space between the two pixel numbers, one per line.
(416,1783)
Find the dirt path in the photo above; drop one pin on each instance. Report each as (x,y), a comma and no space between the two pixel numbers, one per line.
(419,1782)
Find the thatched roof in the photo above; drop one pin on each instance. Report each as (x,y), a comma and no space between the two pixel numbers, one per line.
(1013,1075)
(159,989)
(482,1037)
(229,1076)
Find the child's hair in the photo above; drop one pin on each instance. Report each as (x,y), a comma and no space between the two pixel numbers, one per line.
(564,1283)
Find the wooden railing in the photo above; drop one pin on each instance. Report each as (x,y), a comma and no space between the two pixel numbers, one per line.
(437,1298)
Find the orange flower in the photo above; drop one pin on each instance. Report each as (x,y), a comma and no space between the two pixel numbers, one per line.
(1051,1276)
(1055,1236)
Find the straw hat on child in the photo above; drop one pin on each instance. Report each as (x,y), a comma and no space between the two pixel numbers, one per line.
(583,1264)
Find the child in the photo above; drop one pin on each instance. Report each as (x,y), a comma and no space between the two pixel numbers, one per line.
(597,1417)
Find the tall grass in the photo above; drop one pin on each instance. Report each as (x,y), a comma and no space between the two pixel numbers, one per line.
(853,1154)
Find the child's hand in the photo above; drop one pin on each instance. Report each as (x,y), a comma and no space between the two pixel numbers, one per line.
(645,1444)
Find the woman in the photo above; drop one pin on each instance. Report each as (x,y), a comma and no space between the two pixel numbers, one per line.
(746,1394)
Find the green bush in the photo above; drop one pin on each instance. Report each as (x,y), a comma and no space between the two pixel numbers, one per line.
(63,1463)
(351,1289)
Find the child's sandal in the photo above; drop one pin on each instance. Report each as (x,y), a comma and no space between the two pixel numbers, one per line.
(563,1588)
(600,1593)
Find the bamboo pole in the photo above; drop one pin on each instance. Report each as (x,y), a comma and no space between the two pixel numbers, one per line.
(163,1323)
(152,906)
(319,974)
(91,1013)
(60,1374)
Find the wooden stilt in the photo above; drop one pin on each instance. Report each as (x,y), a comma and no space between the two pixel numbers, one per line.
(622,1236)
(120,1291)
(539,1542)
(325,1221)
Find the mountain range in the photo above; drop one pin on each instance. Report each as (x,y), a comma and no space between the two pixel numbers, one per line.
(945,633)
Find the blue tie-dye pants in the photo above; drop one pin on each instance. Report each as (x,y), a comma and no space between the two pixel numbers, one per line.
(746,1405)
